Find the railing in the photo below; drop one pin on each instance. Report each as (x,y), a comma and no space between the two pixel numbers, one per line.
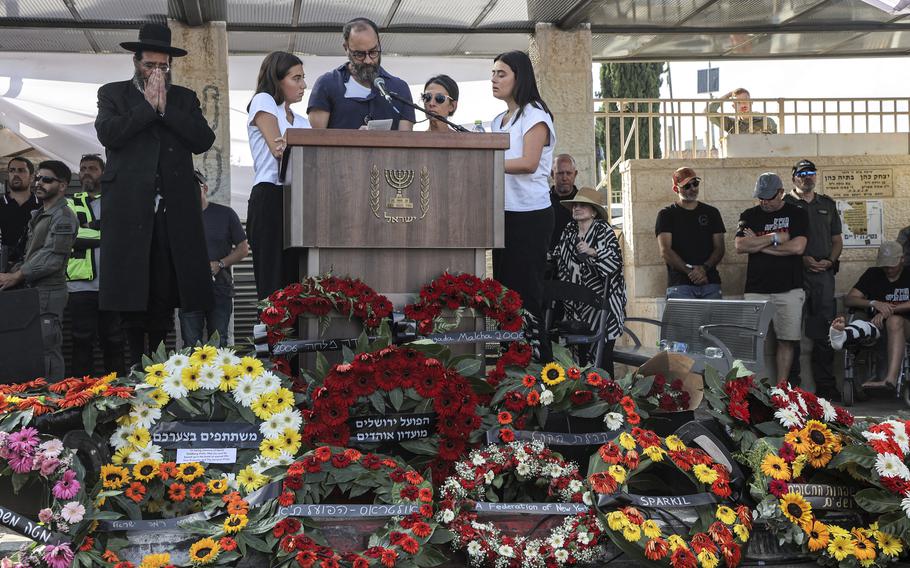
(692,128)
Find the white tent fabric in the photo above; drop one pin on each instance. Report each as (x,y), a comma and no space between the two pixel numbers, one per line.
(49,99)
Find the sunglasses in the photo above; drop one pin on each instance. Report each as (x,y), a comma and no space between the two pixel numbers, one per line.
(804,174)
(692,184)
(47,179)
(438,97)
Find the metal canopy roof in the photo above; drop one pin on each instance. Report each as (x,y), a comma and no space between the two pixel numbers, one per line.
(622,29)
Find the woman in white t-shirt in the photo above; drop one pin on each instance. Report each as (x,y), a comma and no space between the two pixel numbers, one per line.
(280,84)
(528,215)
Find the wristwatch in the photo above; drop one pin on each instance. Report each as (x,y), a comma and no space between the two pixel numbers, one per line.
(221,264)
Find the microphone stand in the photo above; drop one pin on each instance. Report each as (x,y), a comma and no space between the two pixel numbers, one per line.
(429,113)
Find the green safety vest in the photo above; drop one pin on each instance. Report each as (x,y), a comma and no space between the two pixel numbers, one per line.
(81,265)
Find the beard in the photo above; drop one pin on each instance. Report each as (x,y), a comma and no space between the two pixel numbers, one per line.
(139,80)
(16,184)
(364,73)
(89,184)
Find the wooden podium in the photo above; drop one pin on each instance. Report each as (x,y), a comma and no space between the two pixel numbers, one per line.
(395,209)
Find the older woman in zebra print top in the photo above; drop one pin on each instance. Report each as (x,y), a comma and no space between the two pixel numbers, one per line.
(588,254)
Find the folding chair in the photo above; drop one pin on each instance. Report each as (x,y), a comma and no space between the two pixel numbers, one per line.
(575,332)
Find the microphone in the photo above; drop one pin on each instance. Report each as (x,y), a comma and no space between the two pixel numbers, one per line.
(379,83)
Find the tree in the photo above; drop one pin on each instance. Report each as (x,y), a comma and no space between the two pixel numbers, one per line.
(629,81)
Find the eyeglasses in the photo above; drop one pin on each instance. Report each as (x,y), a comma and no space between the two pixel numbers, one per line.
(47,179)
(438,97)
(362,55)
(692,184)
(804,174)
(152,66)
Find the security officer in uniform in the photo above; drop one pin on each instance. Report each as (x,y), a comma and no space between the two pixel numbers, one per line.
(83,276)
(820,263)
(51,232)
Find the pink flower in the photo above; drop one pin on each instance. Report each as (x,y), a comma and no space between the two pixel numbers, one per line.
(23,440)
(58,556)
(21,463)
(67,487)
(45,515)
(48,465)
(73,512)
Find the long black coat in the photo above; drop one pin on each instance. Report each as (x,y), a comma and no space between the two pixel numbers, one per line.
(139,144)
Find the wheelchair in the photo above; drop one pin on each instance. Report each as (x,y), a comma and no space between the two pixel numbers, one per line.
(862,361)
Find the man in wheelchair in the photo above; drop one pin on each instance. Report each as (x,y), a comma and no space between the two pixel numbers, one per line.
(883,292)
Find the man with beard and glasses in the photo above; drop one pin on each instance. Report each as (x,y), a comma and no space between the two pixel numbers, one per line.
(346,98)
(820,262)
(82,277)
(51,231)
(153,253)
(690,235)
(16,206)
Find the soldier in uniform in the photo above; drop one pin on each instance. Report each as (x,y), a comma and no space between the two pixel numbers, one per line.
(51,232)
(820,262)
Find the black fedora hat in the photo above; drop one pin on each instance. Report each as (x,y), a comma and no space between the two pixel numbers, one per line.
(154,37)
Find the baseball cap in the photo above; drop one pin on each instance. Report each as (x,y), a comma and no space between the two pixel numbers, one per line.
(804,166)
(682,176)
(200,177)
(889,254)
(767,186)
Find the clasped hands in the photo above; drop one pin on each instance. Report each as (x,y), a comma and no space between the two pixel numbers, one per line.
(156,91)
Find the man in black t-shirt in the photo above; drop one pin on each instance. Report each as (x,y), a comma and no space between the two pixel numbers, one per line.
(773,234)
(885,291)
(227,245)
(690,235)
(564,173)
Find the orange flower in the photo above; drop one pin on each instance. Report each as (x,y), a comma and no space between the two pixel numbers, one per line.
(656,548)
(238,507)
(425,494)
(110,556)
(388,557)
(136,491)
(352,454)
(633,418)
(167,470)
(413,477)
(504,417)
(421,529)
(594,379)
(627,404)
(227,543)
(529,381)
(533,398)
(87,544)
(323,453)
(573,373)
(177,492)
(602,482)
(197,490)
(38,408)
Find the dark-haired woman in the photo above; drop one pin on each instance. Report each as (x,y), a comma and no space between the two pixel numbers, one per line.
(440,95)
(280,84)
(528,215)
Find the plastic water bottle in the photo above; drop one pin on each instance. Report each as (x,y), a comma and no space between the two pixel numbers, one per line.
(713,353)
(478,126)
(679,347)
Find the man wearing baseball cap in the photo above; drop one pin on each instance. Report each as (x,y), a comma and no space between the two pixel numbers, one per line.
(773,234)
(820,261)
(690,235)
(884,290)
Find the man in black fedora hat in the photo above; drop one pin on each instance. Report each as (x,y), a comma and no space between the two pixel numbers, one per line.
(153,253)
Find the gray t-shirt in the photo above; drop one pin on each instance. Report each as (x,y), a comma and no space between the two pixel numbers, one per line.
(223,232)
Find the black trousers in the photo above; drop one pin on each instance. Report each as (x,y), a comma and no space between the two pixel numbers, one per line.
(521,265)
(273,266)
(164,297)
(88,324)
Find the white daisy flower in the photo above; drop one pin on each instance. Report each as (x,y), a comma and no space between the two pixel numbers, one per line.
(144,416)
(289,418)
(489,476)
(246,391)
(226,356)
(561,555)
(268,382)
(173,386)
(588,499)
(546,397)
(506,551)
(477,459)
(523,469)
(556,541)
(788,417)
(73,512)
(583,537)
(879,436)
(532,550)
(575,486)
(613,420)
(905,504)
(889,465)
(272,427)
(474,548)
(149,452)
(210,376)
(447,516)
(121,437)
(284,459)
(176,364)
(828,412)
(231,479)
(901,438)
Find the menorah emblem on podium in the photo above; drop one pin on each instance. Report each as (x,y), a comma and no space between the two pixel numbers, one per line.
(399,180)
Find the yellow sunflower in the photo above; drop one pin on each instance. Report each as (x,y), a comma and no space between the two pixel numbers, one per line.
(819,535)
(155,560)
(235,523)
(726,515)
(250,366)
(228,382)
(188,472)
(159,397)
(282,398)
(775,467)
(218,486)
(618,473)
(820,460)
(796,509)
(155,374)
(203,355)
(552,374)
(146,470)
(291,440)
(840,548)
(122,456)
(139,438)
(797,439)
(889,544)
(704,473)
(204,551)
(250,480)
(818,436)
(114,476)
(651,529)
(190,377)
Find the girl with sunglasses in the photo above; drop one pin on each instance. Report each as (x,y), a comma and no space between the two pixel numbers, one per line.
(440,95)
(529,218)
